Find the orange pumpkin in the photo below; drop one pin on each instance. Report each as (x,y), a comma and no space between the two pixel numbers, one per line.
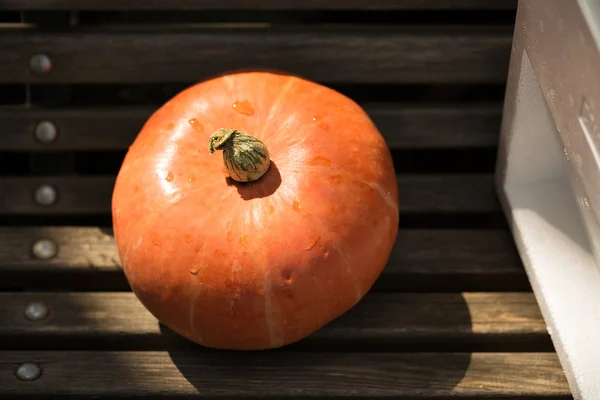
(254,208)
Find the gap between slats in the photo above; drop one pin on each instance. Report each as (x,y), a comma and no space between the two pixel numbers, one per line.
(422,260)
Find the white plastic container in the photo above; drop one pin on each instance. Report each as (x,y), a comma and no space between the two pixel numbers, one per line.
(548,174)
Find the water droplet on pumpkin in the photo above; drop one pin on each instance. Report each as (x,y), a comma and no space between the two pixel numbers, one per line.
(155,239)
(170,126)
(243,241)
(320,123)
(260,292)
(320,160)
(196,125)
(312,244)
(243,107)
(169,177)
(296,206)
(326,255)
(189,238)
(335,179)
(271,210)
(194,269)
(191,178)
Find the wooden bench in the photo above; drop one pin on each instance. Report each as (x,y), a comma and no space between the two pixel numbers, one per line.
(452,316)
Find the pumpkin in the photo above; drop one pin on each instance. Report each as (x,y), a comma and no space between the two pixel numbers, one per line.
(253,208)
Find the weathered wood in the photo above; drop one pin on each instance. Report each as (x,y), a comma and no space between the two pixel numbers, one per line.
(258,4)
(446,260)
(76,195)
(382,321)
(366,55)
(403,126)
(92,195)
(206,374)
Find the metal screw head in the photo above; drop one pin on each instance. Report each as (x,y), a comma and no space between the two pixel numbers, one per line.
(44,249)
(40,64)
(46,132)
(28,371)
(36,311)
(45,195)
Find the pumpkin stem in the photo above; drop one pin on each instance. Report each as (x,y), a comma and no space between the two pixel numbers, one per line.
(245,157)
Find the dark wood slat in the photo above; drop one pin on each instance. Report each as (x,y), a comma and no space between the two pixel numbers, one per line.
(92,194)
(437,126)
(258,4)
(446,260)
(381,321)
(403,126)
(467,193)
(76,195)
(279,374)
(360,55)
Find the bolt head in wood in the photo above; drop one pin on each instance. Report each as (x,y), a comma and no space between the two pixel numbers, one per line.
(28,371)
(36,311)
(46,132)
(40,64)
(46,195)
(44,249)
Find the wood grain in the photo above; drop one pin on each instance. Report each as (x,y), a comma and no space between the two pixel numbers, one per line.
(465,193)
(278,374)
(340,55)
(76,195)
(382,321)
(416,251)
(403,126)
(258,4)
(435,260)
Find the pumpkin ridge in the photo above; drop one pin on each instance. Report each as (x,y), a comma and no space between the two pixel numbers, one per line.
(269,317)
(347,262)
(275,105)
(387,197)
(193,330)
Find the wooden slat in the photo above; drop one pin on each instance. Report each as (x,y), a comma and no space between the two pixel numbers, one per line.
(403,126)
(448,260)
(281,375)
(360,55)
(465,193)
(77,195)
(446,321)
(258,4)
(92,194)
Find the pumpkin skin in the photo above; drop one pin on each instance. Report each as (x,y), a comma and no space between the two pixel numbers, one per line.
(258,265)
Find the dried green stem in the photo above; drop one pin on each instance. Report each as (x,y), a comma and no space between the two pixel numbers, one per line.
(245,157)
